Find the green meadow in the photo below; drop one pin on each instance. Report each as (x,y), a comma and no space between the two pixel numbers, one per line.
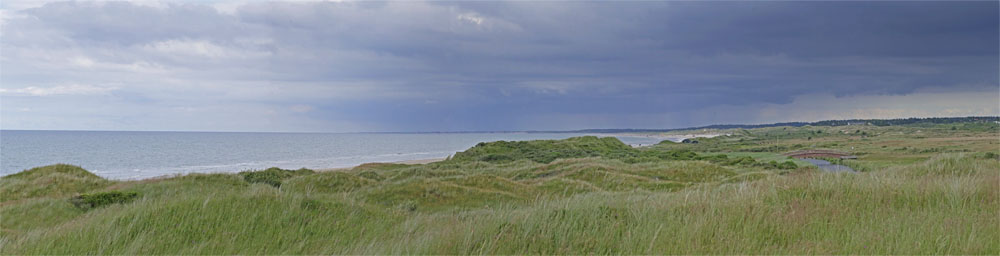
(920,189)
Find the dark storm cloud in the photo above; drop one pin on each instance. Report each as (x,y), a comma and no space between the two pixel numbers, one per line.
(493,65)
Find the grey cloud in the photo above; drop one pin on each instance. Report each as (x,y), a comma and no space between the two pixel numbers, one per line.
(495,65)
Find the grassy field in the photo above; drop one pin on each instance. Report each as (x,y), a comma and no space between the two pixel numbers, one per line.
(924,189)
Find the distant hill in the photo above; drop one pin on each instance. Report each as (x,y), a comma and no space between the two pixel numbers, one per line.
(875,122)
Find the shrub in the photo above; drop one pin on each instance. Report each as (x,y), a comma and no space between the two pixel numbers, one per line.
(714,158)
(273,176)
(266,177)
(990,155)
(741,161)
(788,165)
(90,201)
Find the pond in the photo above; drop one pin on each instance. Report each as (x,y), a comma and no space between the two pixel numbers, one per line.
(827,166)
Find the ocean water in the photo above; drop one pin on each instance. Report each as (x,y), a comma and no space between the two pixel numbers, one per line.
(138,155)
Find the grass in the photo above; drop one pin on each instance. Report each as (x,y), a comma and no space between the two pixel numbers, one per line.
(546,151)
(767,157)
(49,181)
(592,198)
(801,214)
(89,201)
(273,176)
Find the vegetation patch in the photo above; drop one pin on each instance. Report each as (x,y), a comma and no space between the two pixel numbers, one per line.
(36,214)
(371,175)
(585,196)
(682,171)
(273,176)
(52,181)
(423,172)
(95,200)
(565,187)
(326,182)
(746,177)
(425,195)
(492,183)
(610,180)
(546,151)
(951,165)
(379,166)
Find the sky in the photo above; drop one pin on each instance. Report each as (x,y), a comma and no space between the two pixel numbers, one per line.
(342,66)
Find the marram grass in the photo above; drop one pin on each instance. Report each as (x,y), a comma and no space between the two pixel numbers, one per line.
(947,204)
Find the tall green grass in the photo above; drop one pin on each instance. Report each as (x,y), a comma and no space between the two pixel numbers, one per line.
(46,181)
(947,204)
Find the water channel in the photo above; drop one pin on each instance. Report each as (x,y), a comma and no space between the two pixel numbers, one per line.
(827,166)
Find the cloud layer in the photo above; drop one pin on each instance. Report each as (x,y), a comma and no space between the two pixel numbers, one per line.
(447,66)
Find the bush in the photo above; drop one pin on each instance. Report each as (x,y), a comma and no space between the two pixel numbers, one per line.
(90,201)
(788,165)
(266,177)
(741,161)
(273,176)
(714,158)
(990,155)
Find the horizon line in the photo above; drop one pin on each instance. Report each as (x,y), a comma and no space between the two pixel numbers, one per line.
(586,130)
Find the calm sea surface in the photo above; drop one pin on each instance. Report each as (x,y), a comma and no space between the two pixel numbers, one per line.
(136,155)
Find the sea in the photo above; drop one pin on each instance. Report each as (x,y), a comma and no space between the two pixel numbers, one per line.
(128,155)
